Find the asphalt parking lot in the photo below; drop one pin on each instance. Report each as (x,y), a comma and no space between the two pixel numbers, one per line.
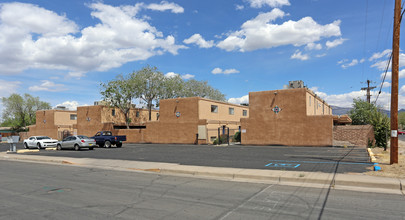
(310,159)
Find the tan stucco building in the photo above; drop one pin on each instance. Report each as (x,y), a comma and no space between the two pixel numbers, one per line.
(295,117)
(182,119)
(92,119)
(54,123)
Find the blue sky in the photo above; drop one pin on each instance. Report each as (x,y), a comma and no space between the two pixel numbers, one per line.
(62,50)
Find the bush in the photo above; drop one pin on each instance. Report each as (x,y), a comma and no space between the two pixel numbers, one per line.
(236,137)
(222,140)
(366,113)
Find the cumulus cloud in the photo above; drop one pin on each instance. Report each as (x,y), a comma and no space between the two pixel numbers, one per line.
(354,62)
(313,46)
(226,72)
(199,40)
(71,105)
(239,7)
(299,56)
(241,100)
(386,84)
(173,74)
(34,37)
(335,43)
(164,5)
(48,86)
(382,64)
(376,56)
(271,3)
(8,87)
(187,76)
(261,32)
(401,74)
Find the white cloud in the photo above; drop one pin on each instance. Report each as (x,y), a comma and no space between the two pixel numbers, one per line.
(376,56)
(164,5)
(261,33)
(185,76)
(34,37)
(71,105)
(401,74)
(239,7)
(354,62)
(221,71)
(299,56)
(382,64)
(313,46)
(271,3)
(48,86)
(8,87)
(199,40)
(402,90)
(241,100)
(386,85)
(335,43)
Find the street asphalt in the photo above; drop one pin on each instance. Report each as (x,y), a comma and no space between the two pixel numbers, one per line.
(308,159)
(43,191)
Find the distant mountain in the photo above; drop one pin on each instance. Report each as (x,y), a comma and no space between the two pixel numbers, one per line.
(336,110)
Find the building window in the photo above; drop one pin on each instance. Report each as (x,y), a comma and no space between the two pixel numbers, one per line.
(310,101)
(137,114)
(231,111)
(214,108)
(113,112)
(157,116)
(73,117)
(244,113)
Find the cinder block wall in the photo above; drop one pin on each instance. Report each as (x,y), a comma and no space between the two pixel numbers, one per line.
(357,135)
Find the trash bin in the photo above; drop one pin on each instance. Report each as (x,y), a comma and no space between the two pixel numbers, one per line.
(13,140)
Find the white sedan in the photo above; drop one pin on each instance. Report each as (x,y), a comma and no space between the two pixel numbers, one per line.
(40,142)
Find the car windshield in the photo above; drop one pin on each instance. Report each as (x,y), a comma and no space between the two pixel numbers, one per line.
(83,137)
(43,138)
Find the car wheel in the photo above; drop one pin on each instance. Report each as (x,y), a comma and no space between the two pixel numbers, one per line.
(39,146)
(77,148)
(90,148)
(26,146)
(107,144)
(119,145)
(58,147)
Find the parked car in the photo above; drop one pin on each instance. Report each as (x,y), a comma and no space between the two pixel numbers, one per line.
(76,142)
(401,132)
(106,139)
(39,142)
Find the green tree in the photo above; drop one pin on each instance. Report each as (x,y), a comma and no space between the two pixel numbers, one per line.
(194,88)
(365,113)
(19,111)
(149,85)
(119,93)
(401,119)
(172,87)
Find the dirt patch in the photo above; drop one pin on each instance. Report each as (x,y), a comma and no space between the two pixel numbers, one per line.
(383,160)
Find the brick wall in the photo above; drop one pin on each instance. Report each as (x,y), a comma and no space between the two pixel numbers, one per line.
(357,135)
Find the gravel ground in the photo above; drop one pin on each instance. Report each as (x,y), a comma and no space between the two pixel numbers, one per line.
(383,158)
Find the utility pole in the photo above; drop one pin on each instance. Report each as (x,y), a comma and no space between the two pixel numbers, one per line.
(368,88)
(394,87)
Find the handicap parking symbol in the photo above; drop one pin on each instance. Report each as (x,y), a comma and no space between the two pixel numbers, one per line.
(283,165)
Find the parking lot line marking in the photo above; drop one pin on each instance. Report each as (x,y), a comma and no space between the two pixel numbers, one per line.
(349,163)
(283,165)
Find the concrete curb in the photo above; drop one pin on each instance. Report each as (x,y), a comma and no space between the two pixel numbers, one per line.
(310,179)
(371,154)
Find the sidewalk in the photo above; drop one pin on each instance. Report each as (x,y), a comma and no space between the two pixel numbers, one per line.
(357,182)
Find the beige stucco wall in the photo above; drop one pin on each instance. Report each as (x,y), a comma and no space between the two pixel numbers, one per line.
(291,126)
(119,118)
(63,117)
(316,106)
(204,107)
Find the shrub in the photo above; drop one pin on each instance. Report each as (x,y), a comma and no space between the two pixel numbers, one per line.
(222,140)
(236,137)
